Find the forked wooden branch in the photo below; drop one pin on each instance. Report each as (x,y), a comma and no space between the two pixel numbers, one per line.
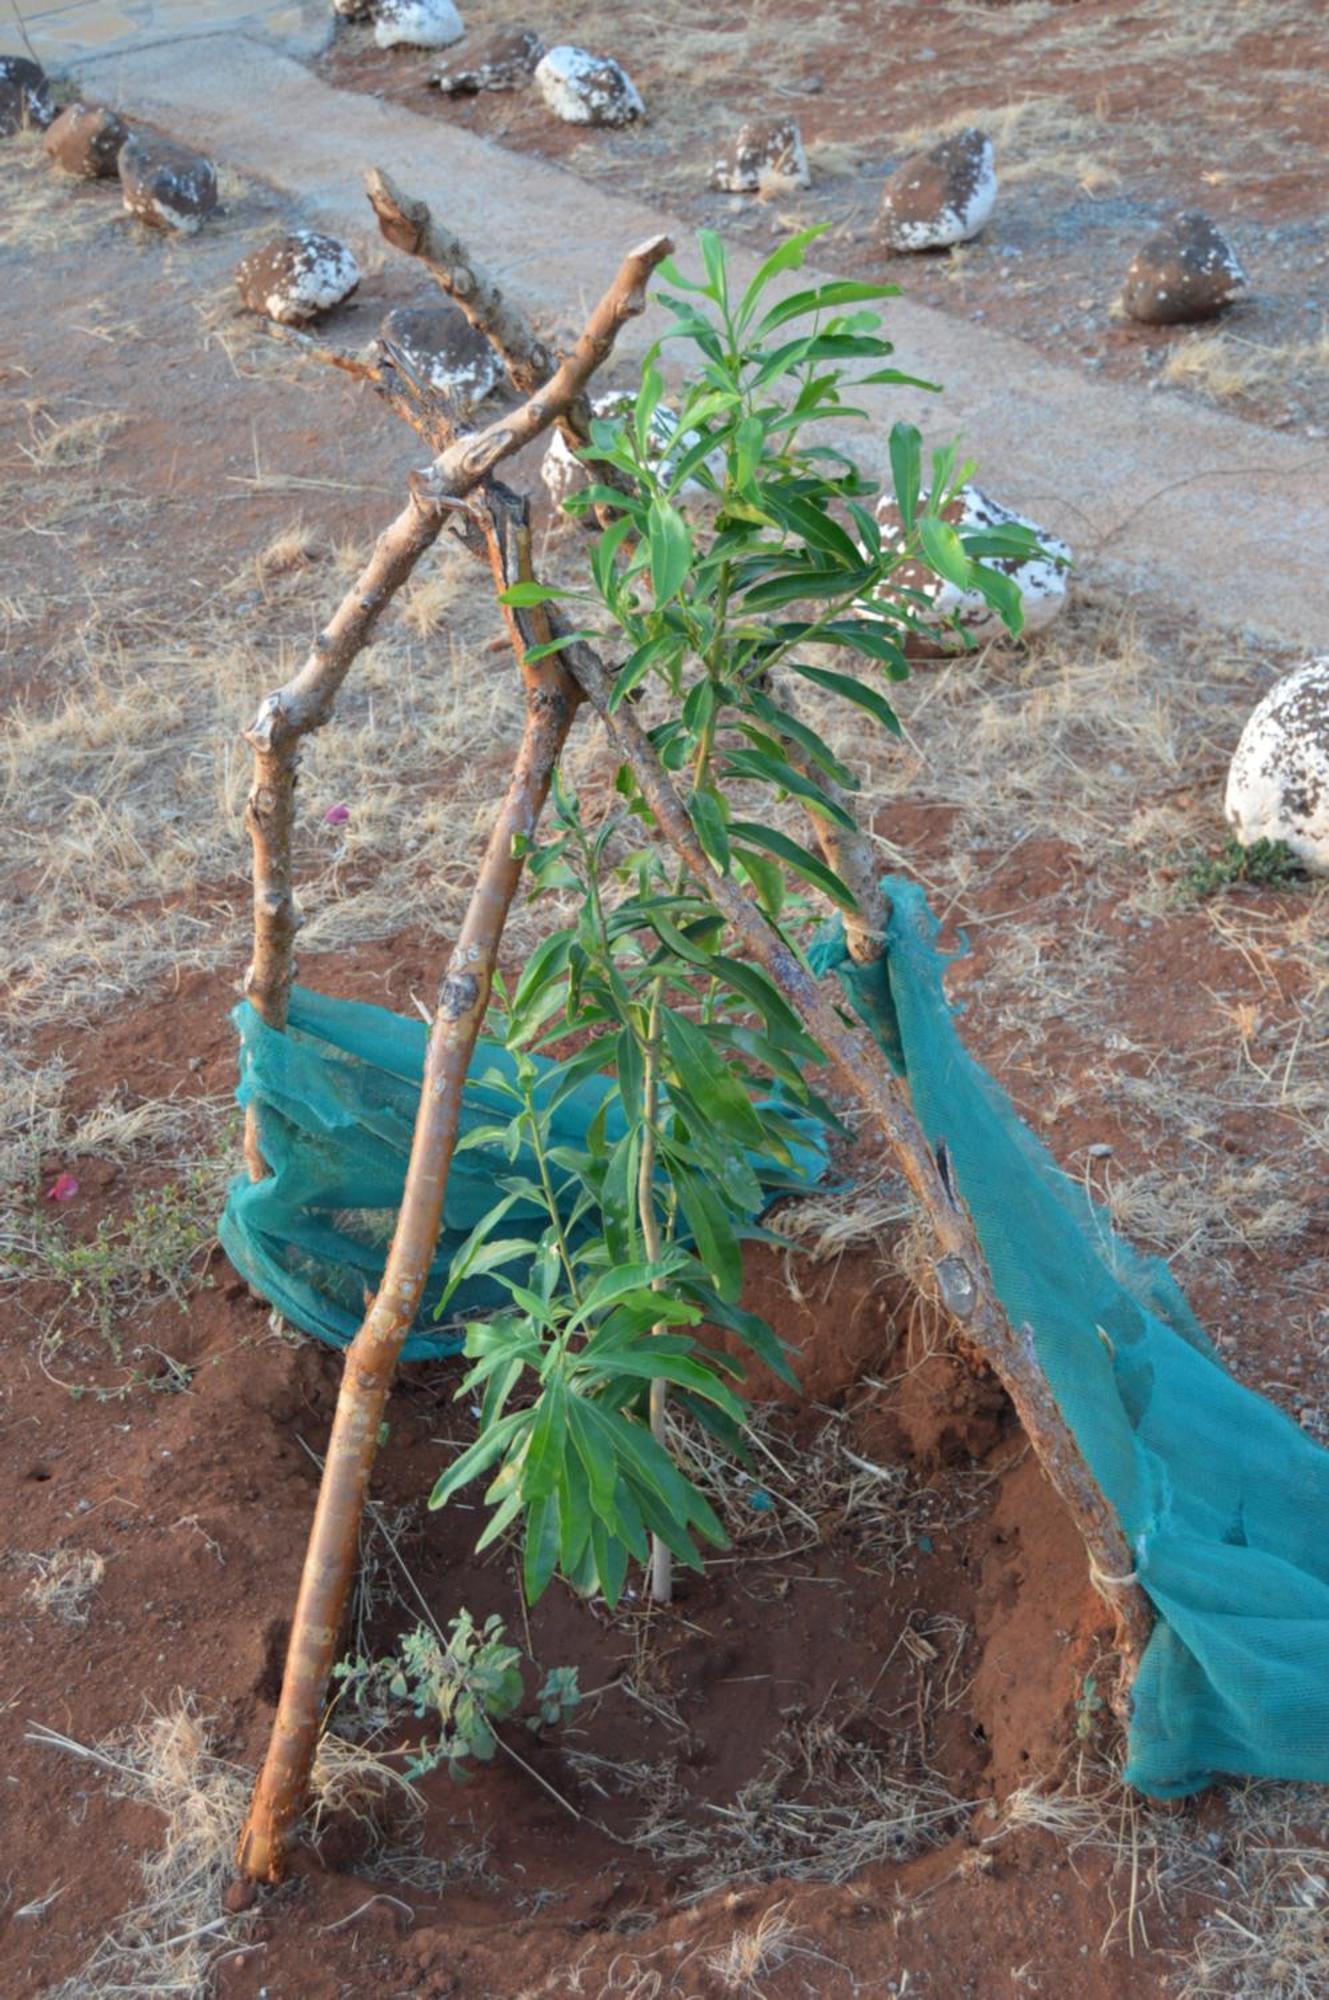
(963,1282)
(306,702)
(552,698)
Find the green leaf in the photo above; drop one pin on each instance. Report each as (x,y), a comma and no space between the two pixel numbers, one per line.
(478,1457)
(823,298)
(544,1452)
(540,1555)
(708,818)
(712,1232)
(777,771)
(709,1082)
(859,692)
(789,257)
(944,551)
(772,841)
(907,471)
(670,549)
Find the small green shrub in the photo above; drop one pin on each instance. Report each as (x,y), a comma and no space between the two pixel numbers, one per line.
(1267,864)
(466,1683)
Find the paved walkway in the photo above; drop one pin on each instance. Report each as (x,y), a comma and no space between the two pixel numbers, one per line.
(1177,500)
(74,31)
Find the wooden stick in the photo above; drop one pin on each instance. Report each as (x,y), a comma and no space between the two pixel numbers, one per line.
(963,1282)
(279,1798)
(552,697)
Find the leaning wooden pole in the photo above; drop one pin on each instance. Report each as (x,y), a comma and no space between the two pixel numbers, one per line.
(552,697)
(963,1282)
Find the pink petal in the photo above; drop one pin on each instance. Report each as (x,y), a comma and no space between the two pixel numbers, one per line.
(63,1188)
(336,815)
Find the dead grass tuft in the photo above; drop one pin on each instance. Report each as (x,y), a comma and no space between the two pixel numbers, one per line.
(63,444)
(167,1943)
(64,1584)
(1226,366)
(752,1954)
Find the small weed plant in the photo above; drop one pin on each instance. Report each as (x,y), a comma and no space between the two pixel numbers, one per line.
(464,1683)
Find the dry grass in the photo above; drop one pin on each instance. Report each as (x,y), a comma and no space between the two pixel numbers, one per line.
(168,1943)
(1227,367)
(756,1951)
(1259,1877)
(58,444)
(65,1583)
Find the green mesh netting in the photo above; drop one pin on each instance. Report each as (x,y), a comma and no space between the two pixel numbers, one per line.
(338,1092)
(1224,1501)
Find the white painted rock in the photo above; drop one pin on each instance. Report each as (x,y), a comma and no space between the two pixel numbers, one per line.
(583,89)
(438,344)
(165,185)
(417,24)
(25,96)
(500,61)
(1042,580)
(564,474)
(764,156)
(1186,271)
(941,197)
(1278,785)
(294,278)
(85,140)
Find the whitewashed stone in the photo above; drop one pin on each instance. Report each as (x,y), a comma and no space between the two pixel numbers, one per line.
(941,197)
(165,185)
(765,157)
(417,24)
(564,474)
(1041,580)
(438,344)
(583,89)
(294,278)
(25,96)
(85,140)
(1278,784)
(1186,271)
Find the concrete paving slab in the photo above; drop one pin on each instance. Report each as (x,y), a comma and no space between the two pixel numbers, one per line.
(1178,501)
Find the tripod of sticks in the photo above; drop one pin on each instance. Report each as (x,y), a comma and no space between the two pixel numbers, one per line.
(460,486)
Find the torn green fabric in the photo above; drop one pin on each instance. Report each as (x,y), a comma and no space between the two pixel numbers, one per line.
(338,1092)
(1224,1501)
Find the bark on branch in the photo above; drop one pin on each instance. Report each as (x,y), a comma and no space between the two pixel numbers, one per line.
(961,1271)
(279,1798)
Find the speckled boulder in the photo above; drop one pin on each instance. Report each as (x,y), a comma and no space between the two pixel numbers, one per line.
(498,62)
(1042,579)
(766,156)
(942,197)
(165,185)
(294,278)
(417,24)
(583,89)
(85,140)
(1187,271)
(564,474)
(438,344)
(1278,784)
(25,96)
